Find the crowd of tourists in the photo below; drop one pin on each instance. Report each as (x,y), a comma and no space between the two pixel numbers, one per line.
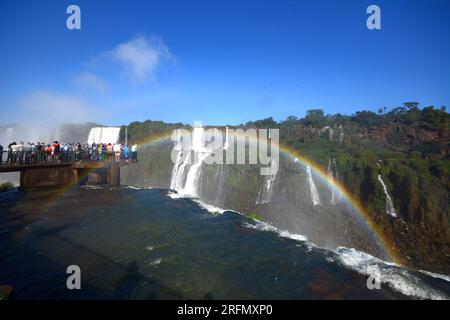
(40,152)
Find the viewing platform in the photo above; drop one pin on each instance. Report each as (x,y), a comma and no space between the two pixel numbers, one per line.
(57,173)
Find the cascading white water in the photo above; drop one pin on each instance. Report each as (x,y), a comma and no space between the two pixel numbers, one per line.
(190,186)
(341,134)
(200,154)
(331,179)
(176,168)
(177,181)
(333,175)
(226,145)
(265,195)
(390,210)
(180,164)
(104,135)
(336,174)
(312,188)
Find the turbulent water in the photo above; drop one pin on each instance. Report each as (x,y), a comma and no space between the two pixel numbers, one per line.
(142,244)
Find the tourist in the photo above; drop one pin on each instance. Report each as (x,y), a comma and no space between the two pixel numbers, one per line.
(40,152)
(94,152)
(134,152)
(126,153)
(48,152)
(28,152)
(109,151)
(117,151)
(13,151)
(9,158)
(99,151)
(20,153)
(75,149)
(104,152)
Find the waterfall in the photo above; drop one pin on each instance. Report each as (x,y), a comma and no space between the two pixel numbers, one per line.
(176,168)
(225,147)
(331,179)
(390,210)
(176,181)
(198,154)
(312,188)
(341,134)
(333,175)
(336,174)
(265,194)
(190,188)
(104,135)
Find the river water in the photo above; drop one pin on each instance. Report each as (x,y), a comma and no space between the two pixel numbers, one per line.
(143,244)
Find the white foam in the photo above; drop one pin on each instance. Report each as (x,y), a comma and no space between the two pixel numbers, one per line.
(397,278)
(92,187)
(134,188)
(174,195)
(436,275)
(263,226)
(209,207)
(155,262)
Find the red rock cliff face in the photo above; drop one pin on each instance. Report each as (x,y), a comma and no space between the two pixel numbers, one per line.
(403,137)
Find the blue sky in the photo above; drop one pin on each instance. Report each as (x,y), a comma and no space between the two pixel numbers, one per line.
(221,62)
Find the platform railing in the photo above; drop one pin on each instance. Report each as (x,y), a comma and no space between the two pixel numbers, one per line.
(43,157)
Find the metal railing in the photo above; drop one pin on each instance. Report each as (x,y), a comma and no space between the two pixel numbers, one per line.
(42,157)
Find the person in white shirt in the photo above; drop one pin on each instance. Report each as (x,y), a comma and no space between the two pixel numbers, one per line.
(117,150)
(134,152)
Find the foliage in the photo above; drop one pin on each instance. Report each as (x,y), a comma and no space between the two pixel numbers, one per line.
(5,186)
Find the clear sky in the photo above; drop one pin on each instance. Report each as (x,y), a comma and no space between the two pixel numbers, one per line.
(221,62)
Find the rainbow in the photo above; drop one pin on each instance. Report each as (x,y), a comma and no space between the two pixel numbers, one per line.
(353,202)
(55,194)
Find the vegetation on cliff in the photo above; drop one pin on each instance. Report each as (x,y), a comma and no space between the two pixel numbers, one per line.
(409,147)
